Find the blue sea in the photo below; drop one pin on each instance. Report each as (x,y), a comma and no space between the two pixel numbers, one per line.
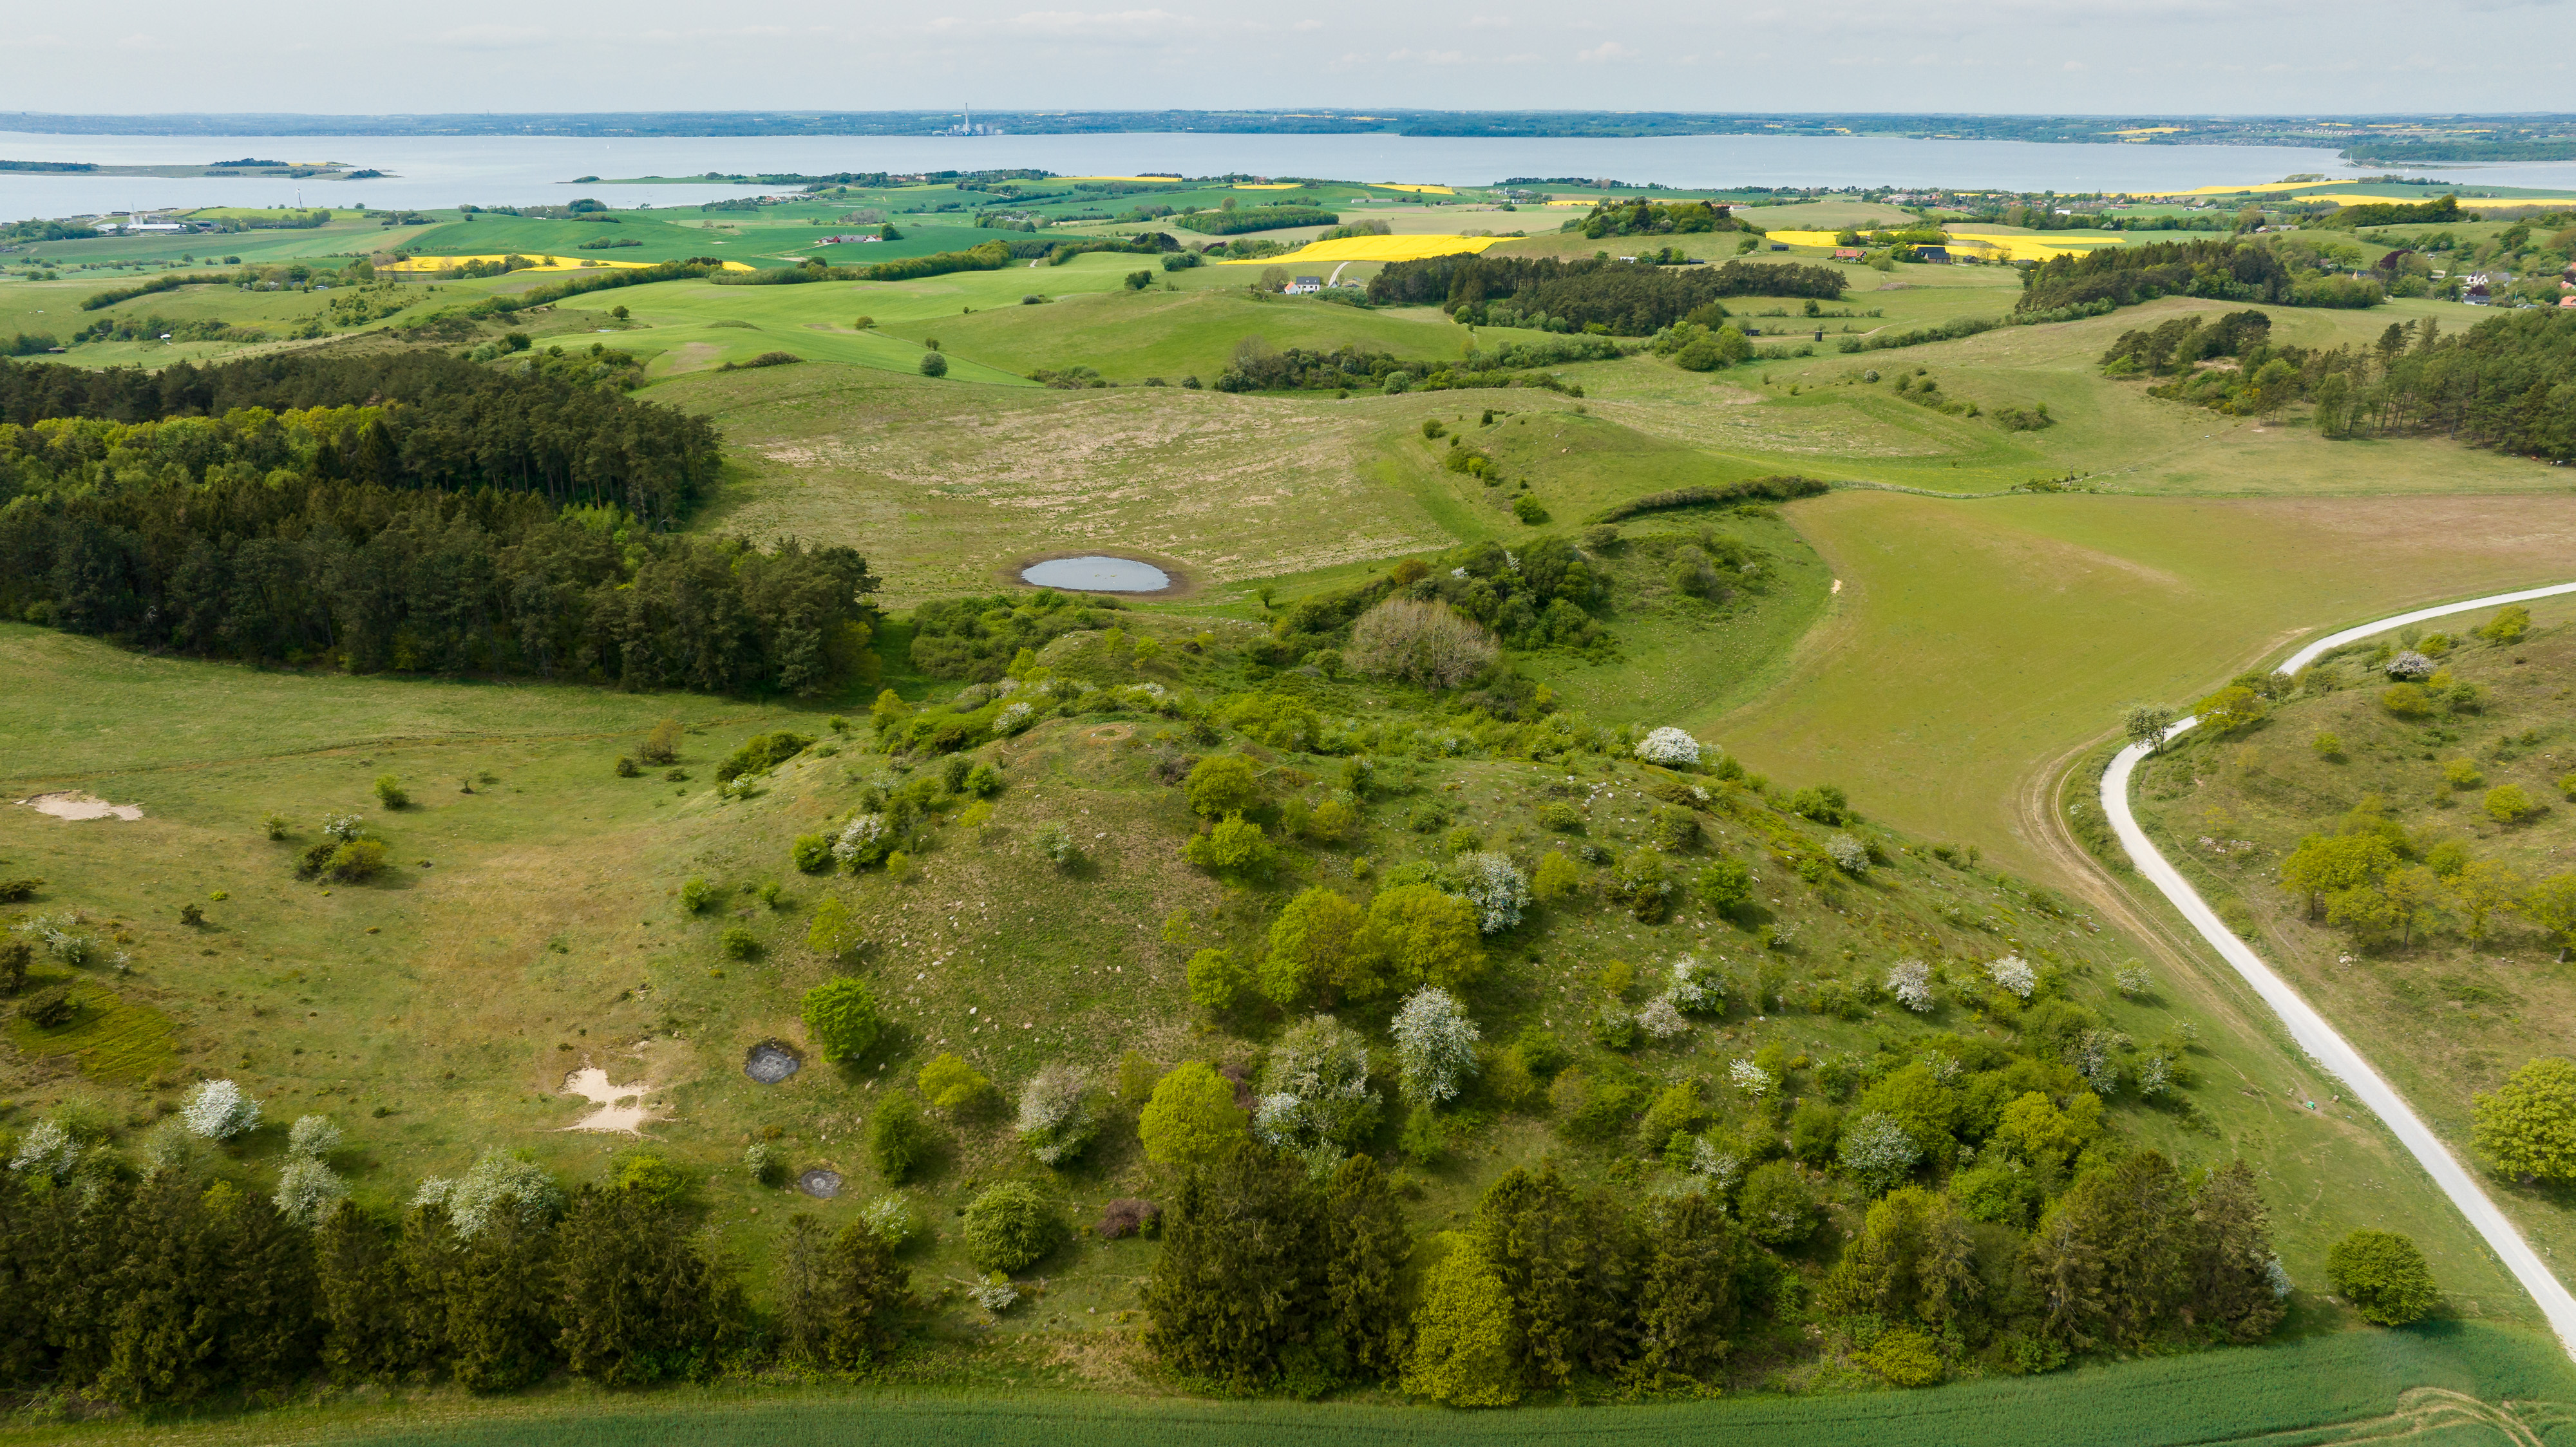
(524,170)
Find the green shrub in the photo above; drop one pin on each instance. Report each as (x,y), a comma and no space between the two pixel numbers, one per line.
(899,1138)
(696,894)
(359,859)
(1222,784)
(812,853)
(1011,1227)
(761,753)
(952,1085)
(739,943)
(933,365)
(2384,1276)
(47,1009)
(389,792)
(2508,804)
(1191,1118)
(626,768)
(766,1162)
(1526,507)
(1561,817)
(2328,745)
(1776,1205)
(841,1014)
(983,781)
(1234,846)
(1725,886)
(1217,981)
(650,1176)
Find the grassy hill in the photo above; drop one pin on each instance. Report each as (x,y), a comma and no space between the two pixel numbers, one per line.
(2448,1016)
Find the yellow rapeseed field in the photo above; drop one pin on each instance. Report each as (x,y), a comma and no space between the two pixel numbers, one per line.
(1375,248)
(1267,186)
(1419,190)
(1992,248)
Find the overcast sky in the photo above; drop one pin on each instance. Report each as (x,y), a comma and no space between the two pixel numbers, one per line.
(2076,56)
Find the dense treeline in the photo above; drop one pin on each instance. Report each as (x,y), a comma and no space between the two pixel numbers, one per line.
(1782,487)
(422,420)
(1257,218)
(2393,213)
(1551,1286)
(475,520)
(2220,270)
(1641,217)
(1616,297)
(1259,368)
(976,638)
(2509,382)
(176,1291)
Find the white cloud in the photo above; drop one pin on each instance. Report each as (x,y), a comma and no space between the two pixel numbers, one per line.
(1606,51)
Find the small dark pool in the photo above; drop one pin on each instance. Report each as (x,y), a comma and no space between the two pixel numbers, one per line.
(770,1062)
(1097,575)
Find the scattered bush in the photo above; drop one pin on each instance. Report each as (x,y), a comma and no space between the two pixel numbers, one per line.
(898,1137)
(312,1135)
(218,1110)
(1191,1118)
(934,364)
(2508,804)
(2384,1276)
(1217,981)
(1011,1227)
(1056,1118)
(739,943)
(1222,784)
(48,1009)
(766,1163)
(812,853)
(308,1190)
(1671,747)
(1435,1045)
(1420,642)
(389,792)
(952,1085)
(841,1014)
(696,894)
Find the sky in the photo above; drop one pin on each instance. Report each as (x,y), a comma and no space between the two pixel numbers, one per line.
(2239,57)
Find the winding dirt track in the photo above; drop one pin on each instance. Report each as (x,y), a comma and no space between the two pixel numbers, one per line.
(2320,1040)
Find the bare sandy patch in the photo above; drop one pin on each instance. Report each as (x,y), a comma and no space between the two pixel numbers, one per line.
(622,1108)
(74,805)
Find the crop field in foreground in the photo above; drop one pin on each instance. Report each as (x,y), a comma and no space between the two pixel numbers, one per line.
(2447,1385)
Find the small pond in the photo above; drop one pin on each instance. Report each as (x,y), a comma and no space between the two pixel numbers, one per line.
(770,1062)
(1097,575)
(821,1184)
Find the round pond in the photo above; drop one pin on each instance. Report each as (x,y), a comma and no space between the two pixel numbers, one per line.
(821,1184)
(770,1062)
(1097,575)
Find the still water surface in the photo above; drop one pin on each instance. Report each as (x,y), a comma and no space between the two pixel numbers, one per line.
(1097,575)
(432,171)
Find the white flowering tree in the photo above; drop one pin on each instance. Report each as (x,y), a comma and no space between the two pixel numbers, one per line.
(1670,747)
(312,1137)
(497,1184)
(47,1150)
(864,840)
(2411,666)
(1750,1078)
(1056,1120)
(343,827)
(1315,1098)
(1435,1045)
(1910,981)
(1493,884)
(1662,1018)
(1878,1152)
(2134,981)
(1725,1168)
(890,1219)
(219,1111)
(1012,719)
(308,1190)
(2014,975)
(1699,986)
(1850,855)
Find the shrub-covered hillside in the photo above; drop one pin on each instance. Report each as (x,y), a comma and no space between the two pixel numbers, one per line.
(2395,825)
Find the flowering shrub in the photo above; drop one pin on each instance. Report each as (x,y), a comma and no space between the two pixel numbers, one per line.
(2411,667)
(1056,1119)
(1669,746)
(1724,1168)
(343,827)
(1315,1098)
(1877,1150)
(863,841)
(48,1151)
(994,1293)
(1056,843)
(312,1137)
(1910,981)
(1850,855)
(1495,887)
(2134,981)
(2014,974)
(308,1189)
(1699,988)
(219,1111)
(1614,1027)
(497,1183)
(1662,1018)
(2097,1060)
(1435,1044)
(890,1219)
(1750,1078)
(1013,718)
